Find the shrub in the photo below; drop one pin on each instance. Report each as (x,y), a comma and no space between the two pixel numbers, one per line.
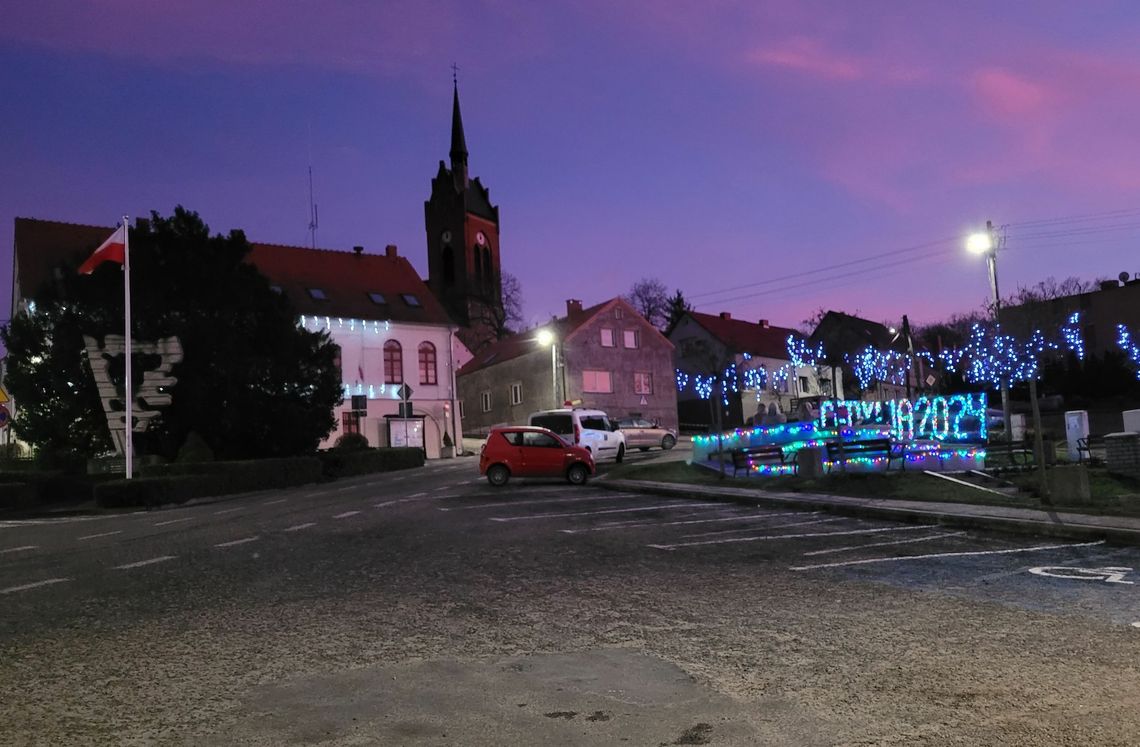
(154,491)
(351,442)
(253,474)
(17,495)
(341,463)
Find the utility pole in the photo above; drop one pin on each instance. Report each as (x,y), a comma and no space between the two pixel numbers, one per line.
(991,261)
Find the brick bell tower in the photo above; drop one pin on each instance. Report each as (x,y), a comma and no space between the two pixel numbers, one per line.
(463,243)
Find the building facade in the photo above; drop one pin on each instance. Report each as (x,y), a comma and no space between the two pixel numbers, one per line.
(606,357)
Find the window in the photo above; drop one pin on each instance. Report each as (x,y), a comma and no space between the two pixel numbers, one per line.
(825,386)
(607,338)
(561,424)
(542,440)
(804,388)
(516,393)
(377,298)
(410,299)
(460,409)
(349,422)
(630,338)
(514,438)
(596,381)
(317,294)
(336,362)
(393,363)
(617,313)
(427,363)
(643,383)
(485,400)
(596,423)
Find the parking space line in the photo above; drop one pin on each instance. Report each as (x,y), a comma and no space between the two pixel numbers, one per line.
(723,532)
(406,500)
(270,503)
(241,541)
(417,495)
(174,521)
(659,507)
(101,534)
(638,524)
(501,504)
(763,537)
(25,587)
(346,514)
(19,549)
(140,563)
(298,527)
(946,555)
(228,510)
(883,544)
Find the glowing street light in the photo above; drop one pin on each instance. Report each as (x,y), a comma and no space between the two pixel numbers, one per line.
(979,243)
(983,243)
(546,337)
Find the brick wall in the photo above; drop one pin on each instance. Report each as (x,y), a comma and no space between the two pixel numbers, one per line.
(1122,453)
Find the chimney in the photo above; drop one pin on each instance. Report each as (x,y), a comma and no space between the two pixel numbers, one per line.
(763,324)
(390,251)
(573,307)
(1108,285)
(725,315)
(358,250)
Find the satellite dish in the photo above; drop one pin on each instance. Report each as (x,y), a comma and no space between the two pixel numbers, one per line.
(1123,277)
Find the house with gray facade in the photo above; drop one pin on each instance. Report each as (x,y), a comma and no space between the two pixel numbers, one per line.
(606,357)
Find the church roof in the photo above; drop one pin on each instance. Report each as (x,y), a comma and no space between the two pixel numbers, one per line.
(743,336)
(317,281)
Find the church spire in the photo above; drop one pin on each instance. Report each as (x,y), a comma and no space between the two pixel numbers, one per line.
(458,141)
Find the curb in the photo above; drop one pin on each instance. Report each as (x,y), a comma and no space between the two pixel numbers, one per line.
(1115,535)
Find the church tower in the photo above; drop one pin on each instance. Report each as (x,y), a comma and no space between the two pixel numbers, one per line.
(463,243)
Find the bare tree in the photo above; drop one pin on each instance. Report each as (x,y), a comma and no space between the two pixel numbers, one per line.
(491,322)
(1050,288)
(651,300)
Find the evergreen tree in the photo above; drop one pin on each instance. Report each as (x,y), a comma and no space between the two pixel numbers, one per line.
(676,309)
(252,383)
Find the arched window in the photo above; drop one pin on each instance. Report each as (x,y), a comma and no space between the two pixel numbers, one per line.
(478,257)
(393,363)
(448,267)
(488,276)
(427,363)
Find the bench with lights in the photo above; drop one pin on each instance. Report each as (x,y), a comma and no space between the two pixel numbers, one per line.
(839,452)
(745,458)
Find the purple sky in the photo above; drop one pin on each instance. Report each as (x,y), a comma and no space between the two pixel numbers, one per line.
(713,145)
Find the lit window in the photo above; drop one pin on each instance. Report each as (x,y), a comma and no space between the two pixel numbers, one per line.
(393,363)
(377,298)
(596,381)
(607,337)
(485,400)
(643,383)
(427,363)
(630,338)
(516,394)
(317,294)
(410,300)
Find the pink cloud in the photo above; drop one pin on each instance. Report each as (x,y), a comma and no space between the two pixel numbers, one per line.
(806,55)
(1014,97)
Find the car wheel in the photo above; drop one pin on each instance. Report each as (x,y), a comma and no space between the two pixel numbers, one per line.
(498,475)
(668,443)
(621,453)
(577,474)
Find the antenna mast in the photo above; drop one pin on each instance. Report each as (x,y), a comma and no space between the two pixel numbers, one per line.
(312,212)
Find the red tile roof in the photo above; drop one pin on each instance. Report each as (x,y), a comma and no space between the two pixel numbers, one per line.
(747,337)
(346,278)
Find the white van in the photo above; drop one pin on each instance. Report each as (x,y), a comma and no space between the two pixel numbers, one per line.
(590,429)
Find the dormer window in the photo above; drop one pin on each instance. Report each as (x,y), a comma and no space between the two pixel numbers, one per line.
(377,298)
(317,294)
(410,299)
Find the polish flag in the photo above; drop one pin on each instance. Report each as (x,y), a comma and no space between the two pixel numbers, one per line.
(112,250)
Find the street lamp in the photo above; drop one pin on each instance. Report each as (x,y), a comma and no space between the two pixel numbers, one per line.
(546,337)
(983,243)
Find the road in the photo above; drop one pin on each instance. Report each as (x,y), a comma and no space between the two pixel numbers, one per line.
(426,608)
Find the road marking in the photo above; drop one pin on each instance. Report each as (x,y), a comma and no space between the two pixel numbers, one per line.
(19,549)
(536,501)
(241,541)
(297,527)
(1136,624)
(101,534)
(228,510)
(883,544)
(417,495)
(151,561)
(174,521)
(1108,574)
(639,524)
(947,555)
(346,514)
(792,536)
(723,532)
(314,494)
(270,503)
(402,500)
(659,507)
(25,587)
(346,488)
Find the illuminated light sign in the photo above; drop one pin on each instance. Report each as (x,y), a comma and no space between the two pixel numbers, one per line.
(957,417)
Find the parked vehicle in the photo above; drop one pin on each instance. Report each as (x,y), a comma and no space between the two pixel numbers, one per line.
(642,434)
(590,429)
(523,451)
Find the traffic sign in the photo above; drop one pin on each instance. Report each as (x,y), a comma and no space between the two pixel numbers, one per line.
(405,392)
(3,394)
(4,417)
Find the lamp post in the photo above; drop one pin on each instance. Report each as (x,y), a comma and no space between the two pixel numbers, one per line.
(546,337)
(984,243)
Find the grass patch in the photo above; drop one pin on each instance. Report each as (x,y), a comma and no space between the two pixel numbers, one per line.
(1111,495)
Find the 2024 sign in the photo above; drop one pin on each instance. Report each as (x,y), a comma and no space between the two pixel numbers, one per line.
(957,417)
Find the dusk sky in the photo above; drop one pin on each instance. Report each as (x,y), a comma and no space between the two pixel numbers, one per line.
(767,158)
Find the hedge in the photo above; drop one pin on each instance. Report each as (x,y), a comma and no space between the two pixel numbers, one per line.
(253,474)
(50,486)
(346,463)
(18,495)
(154,491)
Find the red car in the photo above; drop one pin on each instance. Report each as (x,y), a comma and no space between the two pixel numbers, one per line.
(524,451)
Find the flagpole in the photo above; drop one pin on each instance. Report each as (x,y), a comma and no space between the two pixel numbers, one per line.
(128,391)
